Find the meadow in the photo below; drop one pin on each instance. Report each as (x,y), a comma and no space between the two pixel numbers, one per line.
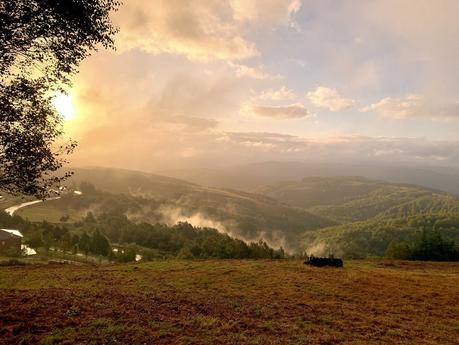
(230,302)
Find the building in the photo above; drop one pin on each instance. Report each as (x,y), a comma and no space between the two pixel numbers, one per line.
(10,242)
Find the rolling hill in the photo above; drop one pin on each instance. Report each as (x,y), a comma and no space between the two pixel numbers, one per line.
(151,198)
(347,199)
(373,236)
(350,216)
(252,176)
(372,214)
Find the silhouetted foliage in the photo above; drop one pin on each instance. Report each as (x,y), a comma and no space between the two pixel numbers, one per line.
(29,126)
(52,35)
(42,43)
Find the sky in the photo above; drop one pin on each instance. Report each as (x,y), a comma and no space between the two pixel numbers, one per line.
(206,83)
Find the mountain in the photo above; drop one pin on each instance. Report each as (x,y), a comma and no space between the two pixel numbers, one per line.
(130,182)
(347,215)
(371,213)
(315,191)
(252,176)
(152,198)
(347,198)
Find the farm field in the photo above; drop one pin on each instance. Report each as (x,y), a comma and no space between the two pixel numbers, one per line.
(230,302)
(40,213)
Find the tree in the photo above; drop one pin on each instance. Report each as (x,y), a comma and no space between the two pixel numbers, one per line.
(431,246)
(84,243)
(398,251)
(47,239)
(185,254)
(29,125)
(42,43)
(53,36)
(74,244)
(100,244)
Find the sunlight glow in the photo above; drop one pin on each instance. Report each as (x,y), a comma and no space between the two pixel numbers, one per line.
(64,106)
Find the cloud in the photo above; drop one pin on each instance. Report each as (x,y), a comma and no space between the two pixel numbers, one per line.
(158,105)
(325,97)
(411,48)
(292,111)
(243,71)
(414,106)
(272,12)
(200,30)
(281,94)
(186,123)
(269,146)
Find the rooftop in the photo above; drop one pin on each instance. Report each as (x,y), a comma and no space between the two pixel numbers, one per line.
(8,233)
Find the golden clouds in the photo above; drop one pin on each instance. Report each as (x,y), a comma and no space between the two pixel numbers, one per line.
(243,71)
(414,106)
(290,111)
(272,12)
(281,94)
(188,73)
(325,97)
(199,30)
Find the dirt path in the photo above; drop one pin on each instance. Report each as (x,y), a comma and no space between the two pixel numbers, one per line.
(11,210)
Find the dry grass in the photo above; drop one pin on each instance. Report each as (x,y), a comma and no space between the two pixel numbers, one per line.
(230,302)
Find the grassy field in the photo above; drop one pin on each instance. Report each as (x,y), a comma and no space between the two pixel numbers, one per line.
(230,302)
(48,211)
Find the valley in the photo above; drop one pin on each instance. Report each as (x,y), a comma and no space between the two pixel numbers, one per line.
(353,217)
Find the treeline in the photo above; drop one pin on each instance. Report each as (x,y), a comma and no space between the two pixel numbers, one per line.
(182,239)
(100,235)
(372,238)
(430,246)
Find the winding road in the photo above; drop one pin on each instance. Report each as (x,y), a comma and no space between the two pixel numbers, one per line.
(10,210)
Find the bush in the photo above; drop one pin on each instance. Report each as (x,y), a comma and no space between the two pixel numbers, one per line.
(185,254)
(398,251)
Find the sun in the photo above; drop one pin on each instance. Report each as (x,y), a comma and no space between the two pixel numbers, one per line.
(64,105)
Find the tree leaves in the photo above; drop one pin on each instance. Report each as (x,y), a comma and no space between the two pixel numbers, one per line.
(42,43)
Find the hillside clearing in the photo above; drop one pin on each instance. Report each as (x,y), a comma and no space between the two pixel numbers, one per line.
(229,302)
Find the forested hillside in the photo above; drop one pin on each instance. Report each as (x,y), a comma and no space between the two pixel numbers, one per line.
(373,237)
(114,237)
(151,198)
(349,216)
(372,214)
